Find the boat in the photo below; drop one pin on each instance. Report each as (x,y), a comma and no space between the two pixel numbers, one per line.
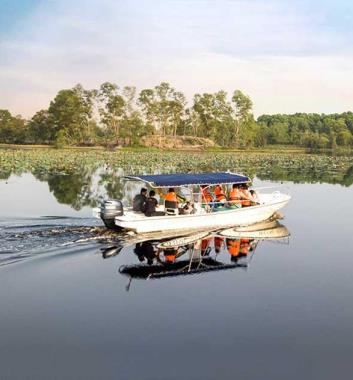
(213,215)
(273,231)
(183,240)
(199,252)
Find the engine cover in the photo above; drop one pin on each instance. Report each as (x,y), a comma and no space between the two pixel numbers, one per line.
(109,210)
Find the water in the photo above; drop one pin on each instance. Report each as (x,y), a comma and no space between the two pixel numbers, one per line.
(67,312)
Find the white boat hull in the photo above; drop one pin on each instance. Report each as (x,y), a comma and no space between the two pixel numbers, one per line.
(269,204)
(278,232)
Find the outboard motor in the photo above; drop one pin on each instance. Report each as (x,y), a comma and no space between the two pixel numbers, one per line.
(109,210)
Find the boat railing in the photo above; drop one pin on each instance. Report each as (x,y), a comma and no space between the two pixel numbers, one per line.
(196,197)
(284,189)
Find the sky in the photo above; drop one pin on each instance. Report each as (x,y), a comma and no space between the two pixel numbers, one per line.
(287,55)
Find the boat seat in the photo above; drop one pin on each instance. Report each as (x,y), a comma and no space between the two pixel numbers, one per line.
(171,208)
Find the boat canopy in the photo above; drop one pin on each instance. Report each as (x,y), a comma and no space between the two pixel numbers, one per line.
(185,179)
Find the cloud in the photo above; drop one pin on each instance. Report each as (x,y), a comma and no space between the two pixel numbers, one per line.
(321,84)
(286,57)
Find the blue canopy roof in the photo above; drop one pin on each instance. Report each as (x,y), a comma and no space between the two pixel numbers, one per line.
(183,179)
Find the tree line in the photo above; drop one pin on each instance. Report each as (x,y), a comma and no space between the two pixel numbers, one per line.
(112,115)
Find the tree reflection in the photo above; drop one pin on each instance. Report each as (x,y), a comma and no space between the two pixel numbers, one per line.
(72,189)
(112,183)
(89,187)
(4,175)
(92,184)
(348,177)
(301,175)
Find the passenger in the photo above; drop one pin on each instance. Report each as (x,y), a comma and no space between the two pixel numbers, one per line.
(233,247)
(172,199)
(245,196)
(235,196)
(145,250)
(151,204)
(170,255)
(170,196)
(218,243)
(139,200)
(205,247)
(244,248)
(220,196)
(206,195)
(254,197)
(187,209)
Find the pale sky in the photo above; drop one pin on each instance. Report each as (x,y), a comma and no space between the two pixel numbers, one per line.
(288,56)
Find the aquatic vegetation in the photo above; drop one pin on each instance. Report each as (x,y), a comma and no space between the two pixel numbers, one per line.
(63,162)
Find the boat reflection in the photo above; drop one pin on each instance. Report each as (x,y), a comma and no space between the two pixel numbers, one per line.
(205,251)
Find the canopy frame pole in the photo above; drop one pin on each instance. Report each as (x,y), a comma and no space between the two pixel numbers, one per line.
(191,258)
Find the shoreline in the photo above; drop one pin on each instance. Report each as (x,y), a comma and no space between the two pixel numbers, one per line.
(281,149)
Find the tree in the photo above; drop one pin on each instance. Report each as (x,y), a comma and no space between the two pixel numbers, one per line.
(278,134)
(118,115)
(12,128)
(41,128)
(133,129)
(228,123)
(164,108)
(309,130)
(129,95)
(111,109)
(176,110)
(148,104)
(71,111)
(243,116)
(215,116)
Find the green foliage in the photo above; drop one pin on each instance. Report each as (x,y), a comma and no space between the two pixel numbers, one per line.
(70,113)
(164,108)
(40,128)
(313,131)
(112,116)
(61,139)
(111,110)
(12,128)
(228,123)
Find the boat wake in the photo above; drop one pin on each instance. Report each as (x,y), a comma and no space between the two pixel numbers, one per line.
(24,238)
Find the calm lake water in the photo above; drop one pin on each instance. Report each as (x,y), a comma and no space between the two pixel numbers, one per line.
(284,311)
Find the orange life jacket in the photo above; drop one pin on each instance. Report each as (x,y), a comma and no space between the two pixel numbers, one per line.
(233,246)
(244,246)
(204,243)
(218,241)
(170,255)
(245,197)
(220,196)
(172,197)
(235,195)
(206,196)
